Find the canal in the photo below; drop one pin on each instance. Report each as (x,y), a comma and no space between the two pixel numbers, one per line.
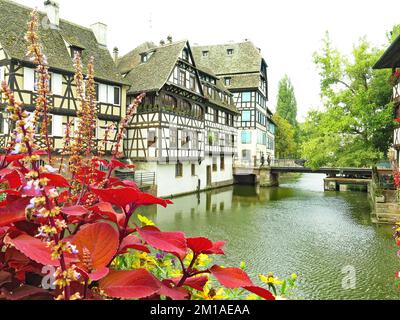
(294,228)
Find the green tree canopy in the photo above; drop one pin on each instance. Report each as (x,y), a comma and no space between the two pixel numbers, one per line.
(356,126)
(285,146)
(286,102)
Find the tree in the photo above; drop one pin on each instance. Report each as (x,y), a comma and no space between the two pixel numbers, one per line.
(287,105)
(285,146)
(356,126)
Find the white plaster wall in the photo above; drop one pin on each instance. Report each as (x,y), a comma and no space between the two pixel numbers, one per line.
(220,175)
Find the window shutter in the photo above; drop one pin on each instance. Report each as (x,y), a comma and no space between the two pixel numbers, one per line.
(110,95)
(29,79)
(57,126)
(102,93)
(56,84)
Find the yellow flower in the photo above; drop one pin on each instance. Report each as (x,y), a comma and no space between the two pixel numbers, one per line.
(145,221)
(143,260)
(270,279)
(211,294)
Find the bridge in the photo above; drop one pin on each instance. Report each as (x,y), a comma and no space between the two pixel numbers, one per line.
(297,166)
(267,174)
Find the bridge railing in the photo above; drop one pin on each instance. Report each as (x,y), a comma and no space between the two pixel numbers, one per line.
(255,163)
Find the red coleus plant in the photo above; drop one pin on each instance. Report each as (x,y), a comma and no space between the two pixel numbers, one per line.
(72,222)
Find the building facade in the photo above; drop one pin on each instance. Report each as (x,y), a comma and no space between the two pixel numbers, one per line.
(244,72)
(183,131)
(61,40)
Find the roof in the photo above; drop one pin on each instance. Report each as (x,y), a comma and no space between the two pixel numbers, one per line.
(391,57)
(221,87)
(13,25)
(153,74)
(246,58)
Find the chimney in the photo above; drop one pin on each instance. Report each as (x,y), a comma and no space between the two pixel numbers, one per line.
(115,51)
(169,38)
(52,8)
(162,42)
(100,31)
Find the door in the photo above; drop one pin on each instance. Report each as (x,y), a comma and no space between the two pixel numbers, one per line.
(209,176)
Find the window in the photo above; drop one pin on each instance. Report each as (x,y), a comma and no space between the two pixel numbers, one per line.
(179,170)
(36,81)
(182,78)
(117,94)
(246,97)
(246,137)
(246,154)
(40,123)
(185,138)
(144,57)
(2,123)
(184,106)
(222,162)
(215,165)
(185,54)
(96,90)
(192,83)
(75,51)
(205,53)
(169,101)
(195,140)
(173,138)
(216,116)
(246,116)
(228,81)
(151,139)
(229,52)
(193,169)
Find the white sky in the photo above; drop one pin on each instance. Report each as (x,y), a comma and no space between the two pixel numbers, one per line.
(287,31)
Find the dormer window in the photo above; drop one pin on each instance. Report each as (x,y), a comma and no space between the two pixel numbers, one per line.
(185,54)
(228,81)
(205,53)
(144,57)
(229,52)
(75,51)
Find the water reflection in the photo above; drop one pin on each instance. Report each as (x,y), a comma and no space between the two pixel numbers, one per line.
(294,228)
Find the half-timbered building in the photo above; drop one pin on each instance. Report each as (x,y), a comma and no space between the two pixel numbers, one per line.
(61,40)
(391,60)
(179,132)
(243,71)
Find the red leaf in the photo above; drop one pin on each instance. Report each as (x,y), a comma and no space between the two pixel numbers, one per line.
(116,164)
(102,241)
(173,292)
(204,245)
(56,180)
(13,212)
(34,249)
(134,284)
(24,292)
(263,293)
(106,209)
(172,242)
(216,248)
(123,196)
(12,177)
(99,274)
(76,211)
(15,157)
(132,242)
(231,278)
(196,283)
